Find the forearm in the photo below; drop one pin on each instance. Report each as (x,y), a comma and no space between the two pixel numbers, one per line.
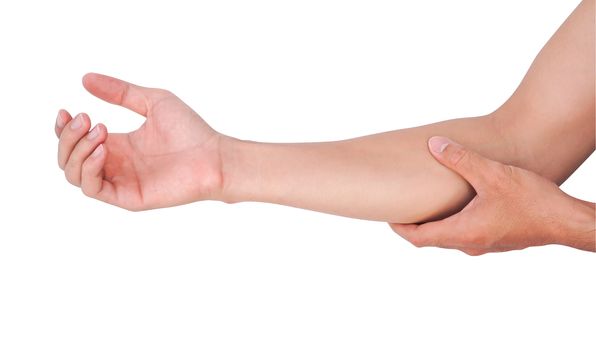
(387,177)
(547,126)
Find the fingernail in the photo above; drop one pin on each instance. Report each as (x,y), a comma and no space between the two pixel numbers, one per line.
(98,151)
(437,144)
(93,133)
(60,120)
(77,122)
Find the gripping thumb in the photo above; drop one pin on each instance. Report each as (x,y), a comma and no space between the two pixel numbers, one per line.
(468,164)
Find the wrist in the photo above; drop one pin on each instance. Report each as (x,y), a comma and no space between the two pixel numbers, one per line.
(234,171)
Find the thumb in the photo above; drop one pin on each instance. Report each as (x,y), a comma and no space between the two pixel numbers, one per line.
(119,92)
(470,165)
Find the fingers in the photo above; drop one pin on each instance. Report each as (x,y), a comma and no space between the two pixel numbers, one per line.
(82,155)
(473,167)
(70,135)
(437,234)
(442,233)
(62,119)
(125,94)
(83,149)
(92,181)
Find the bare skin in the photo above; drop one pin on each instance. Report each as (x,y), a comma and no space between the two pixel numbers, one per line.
(172,159)
(176,158)
(513,209)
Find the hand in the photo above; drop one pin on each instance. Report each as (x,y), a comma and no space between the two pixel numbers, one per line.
(173,158)
(513,209)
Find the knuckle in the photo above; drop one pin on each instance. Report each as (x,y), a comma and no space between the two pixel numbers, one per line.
(480,238)
(72,167)
(71,178)
(124,93)
(166,92)
(471,238)
(86,188)
(458,157)
(417,244)
(417,241)
(66,148)
(87,191)
(73,162)
(162,93)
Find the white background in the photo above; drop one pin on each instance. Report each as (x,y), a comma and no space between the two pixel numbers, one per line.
(79,274)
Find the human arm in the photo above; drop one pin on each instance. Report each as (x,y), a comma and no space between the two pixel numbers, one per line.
(389,175)
(386,177)
(550,118)
(176,158)
(513,209)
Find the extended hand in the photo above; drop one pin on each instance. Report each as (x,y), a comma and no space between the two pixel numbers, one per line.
(173,158)
(513,209)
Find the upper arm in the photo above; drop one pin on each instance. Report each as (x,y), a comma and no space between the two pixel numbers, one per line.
(550,117)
